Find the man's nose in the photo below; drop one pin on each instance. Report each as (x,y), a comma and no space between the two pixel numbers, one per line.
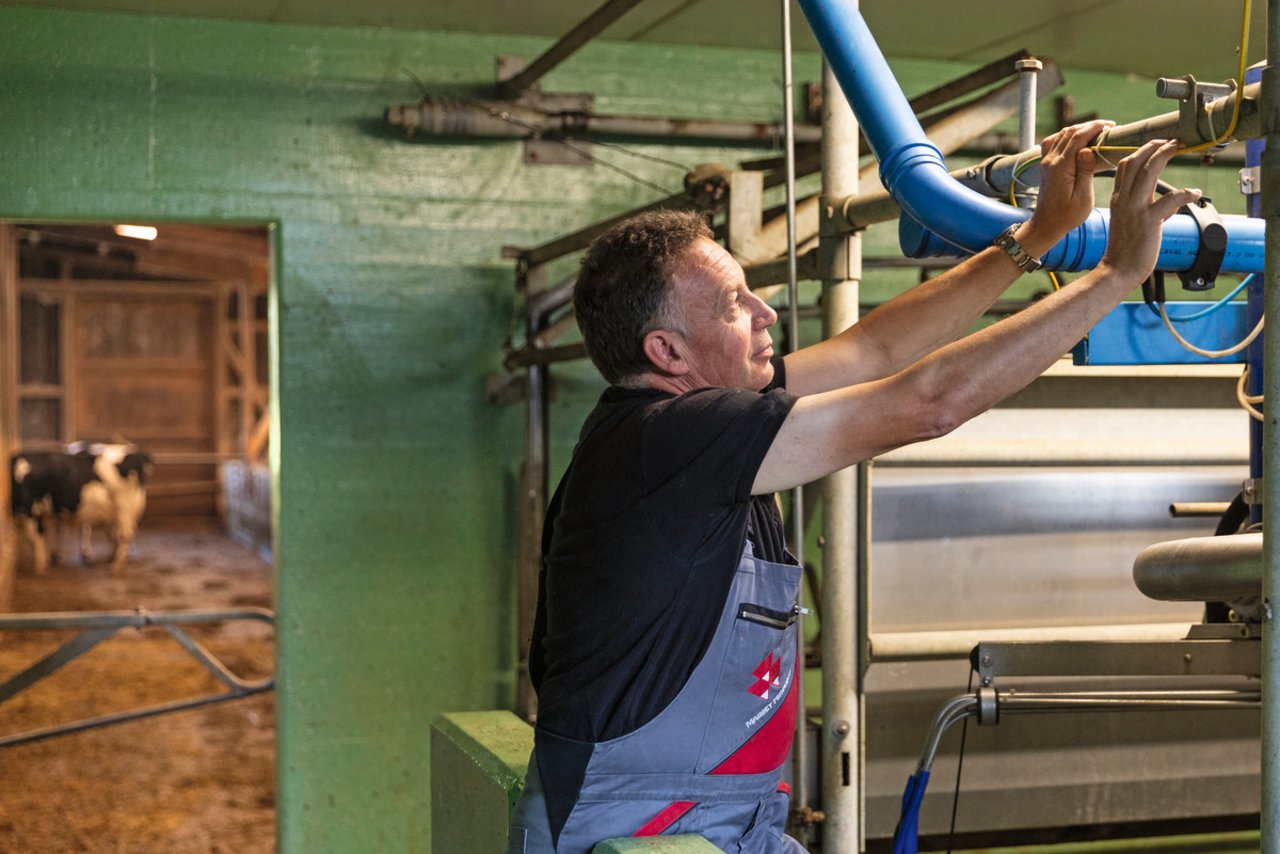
(765,315)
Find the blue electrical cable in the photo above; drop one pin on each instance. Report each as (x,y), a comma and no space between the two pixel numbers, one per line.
(1205,312)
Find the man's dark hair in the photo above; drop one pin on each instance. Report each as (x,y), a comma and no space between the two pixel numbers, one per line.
(623,288)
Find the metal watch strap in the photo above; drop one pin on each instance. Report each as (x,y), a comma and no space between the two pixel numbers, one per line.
(1024,259)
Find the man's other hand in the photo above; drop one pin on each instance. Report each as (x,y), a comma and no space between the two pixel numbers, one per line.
(1133,242)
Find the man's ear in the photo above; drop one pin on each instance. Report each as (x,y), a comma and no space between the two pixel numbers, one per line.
(665,351)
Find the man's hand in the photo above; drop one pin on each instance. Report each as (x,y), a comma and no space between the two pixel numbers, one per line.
(1066,186)
(1133,242)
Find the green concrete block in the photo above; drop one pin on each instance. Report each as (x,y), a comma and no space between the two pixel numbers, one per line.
(478,762)
(684,844)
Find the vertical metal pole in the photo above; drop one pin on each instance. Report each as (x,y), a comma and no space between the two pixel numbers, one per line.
(534,505)
(840,262)
(800,757)
(1027,68)
(1271,439)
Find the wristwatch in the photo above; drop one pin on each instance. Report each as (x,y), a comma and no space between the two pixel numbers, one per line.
(1024,259)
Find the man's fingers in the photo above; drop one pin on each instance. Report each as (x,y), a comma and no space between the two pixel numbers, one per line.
(1169,204)
(1133,168)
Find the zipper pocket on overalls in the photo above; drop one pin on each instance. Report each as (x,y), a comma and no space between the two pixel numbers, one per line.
(770,617)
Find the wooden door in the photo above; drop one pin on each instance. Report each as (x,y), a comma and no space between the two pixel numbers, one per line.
(142,370)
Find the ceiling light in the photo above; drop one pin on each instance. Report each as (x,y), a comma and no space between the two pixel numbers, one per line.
(141,232)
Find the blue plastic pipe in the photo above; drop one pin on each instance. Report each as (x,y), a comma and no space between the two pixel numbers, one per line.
(942,217)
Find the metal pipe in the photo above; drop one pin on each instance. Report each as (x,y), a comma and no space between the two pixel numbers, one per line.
(587,29)
(1028,69)
(949,132)
(1198,509)
(962,706)
(958,643)
(914,171)
(840,268)
(800,763)
(1201,569)
(447,117)
(1270,209)
(994,175)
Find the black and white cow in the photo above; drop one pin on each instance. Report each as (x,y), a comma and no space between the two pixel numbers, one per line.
(93,486)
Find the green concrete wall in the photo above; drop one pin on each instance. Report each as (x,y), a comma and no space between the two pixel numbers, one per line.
(396,478)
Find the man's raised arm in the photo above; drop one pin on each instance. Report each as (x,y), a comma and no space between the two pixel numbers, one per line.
(938,311)
(828,431)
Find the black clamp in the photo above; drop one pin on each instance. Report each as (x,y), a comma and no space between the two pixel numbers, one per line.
(1204,269)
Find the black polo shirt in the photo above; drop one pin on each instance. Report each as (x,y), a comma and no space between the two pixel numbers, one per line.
(640,547)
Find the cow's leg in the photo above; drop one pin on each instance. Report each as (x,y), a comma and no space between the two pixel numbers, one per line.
(121,535)
(31,529)
(86,543)
(53,535)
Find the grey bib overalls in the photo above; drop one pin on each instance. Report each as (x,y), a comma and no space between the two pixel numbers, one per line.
(709,763)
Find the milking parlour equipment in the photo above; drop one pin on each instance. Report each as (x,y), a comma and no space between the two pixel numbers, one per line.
(1230,660)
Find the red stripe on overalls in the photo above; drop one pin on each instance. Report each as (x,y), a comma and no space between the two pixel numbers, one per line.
(767,749)
(669,816)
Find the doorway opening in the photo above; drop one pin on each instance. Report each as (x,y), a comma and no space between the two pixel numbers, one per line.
(150,339)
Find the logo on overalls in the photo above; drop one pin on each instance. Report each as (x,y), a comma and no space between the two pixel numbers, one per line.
(767,676)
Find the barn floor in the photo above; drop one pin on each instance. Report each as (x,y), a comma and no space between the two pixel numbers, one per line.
(194,781)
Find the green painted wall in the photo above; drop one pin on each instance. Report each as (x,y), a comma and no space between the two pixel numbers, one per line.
(396,478)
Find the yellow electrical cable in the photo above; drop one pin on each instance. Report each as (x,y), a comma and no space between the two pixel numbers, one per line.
(1053,277)
(1235,112)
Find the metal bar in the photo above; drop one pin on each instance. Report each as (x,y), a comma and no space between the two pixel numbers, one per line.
(949,132)
(1028,69)
(496,119)
(69,651)
(588,28)
(840,270)
(994,176)
(1270,209)
(100,626)
(581,238)
(800,741)
(957,644)
(992,72)
(124,717)
(526,356)
(127,619)
(962,706)
(212,663)
(1118,658)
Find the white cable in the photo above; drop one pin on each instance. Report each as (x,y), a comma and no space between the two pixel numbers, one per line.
(1246,401)
(1210,354)
(1244,381)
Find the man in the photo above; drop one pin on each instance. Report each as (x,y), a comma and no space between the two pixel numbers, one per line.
(664,653)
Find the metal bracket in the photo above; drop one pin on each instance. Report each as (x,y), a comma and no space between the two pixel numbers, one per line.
(1117,658)
(1251,489)
(1250,180)
(1192,97)
(95,627)
(1213,246)
(550,150)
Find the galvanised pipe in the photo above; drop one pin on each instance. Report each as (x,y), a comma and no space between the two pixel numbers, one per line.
(957,218)
(840,269)
(993,176)
(1201,569)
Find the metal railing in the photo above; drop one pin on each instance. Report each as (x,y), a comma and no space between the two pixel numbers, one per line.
(98,626)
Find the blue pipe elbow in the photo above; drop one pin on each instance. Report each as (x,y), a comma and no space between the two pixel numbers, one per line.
(942,217)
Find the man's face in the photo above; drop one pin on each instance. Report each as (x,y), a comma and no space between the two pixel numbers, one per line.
(728,325)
